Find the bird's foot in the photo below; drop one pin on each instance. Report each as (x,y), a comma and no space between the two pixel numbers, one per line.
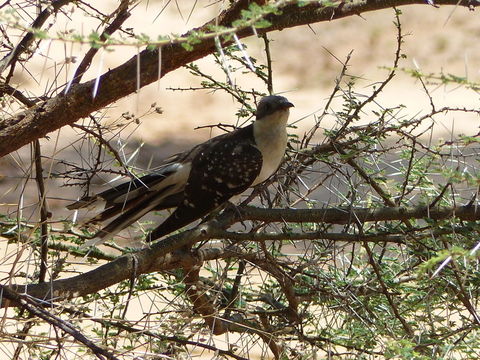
(229,206)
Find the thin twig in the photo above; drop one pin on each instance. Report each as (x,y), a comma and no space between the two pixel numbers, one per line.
(266,41)
(34,308)
(44,213)
(11,58)
(406,327)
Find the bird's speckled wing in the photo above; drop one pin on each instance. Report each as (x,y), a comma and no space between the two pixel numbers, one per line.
(222,169)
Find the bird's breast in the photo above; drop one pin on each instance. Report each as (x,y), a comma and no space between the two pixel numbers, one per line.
(272,143)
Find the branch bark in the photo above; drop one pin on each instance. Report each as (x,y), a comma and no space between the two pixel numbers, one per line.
(160,256)
(64,109)
(165,254)
(351,215)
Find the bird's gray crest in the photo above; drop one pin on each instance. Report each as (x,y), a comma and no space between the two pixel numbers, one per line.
(269,104)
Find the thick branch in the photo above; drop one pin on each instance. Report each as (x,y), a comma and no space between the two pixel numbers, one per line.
(352,215)
(161,256)
(156,258)
(117,83)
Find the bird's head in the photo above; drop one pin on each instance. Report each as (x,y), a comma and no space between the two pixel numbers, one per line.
(272,104)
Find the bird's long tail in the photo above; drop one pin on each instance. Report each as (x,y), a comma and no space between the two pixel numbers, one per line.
(140,207)
(130,201)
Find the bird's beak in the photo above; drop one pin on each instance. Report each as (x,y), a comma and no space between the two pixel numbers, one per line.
(287,105)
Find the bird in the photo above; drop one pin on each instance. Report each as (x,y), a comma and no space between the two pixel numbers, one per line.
(200,180)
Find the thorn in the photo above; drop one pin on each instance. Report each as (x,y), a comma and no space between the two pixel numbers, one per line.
(245,55)
(99,73)
(75,216)
(69,84)
(20,207)
(223,59)
(47,44)
(474,250)
(442,265)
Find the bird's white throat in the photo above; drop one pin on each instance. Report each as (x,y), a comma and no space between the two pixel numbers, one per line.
(271,138)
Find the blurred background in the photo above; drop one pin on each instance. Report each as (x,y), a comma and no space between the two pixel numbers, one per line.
(162,118)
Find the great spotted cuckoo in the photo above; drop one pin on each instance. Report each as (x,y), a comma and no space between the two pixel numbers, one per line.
(199,180)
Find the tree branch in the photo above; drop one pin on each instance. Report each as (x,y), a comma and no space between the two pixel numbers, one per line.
(156,258)
(36,309)
(162,256)
(349,215)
